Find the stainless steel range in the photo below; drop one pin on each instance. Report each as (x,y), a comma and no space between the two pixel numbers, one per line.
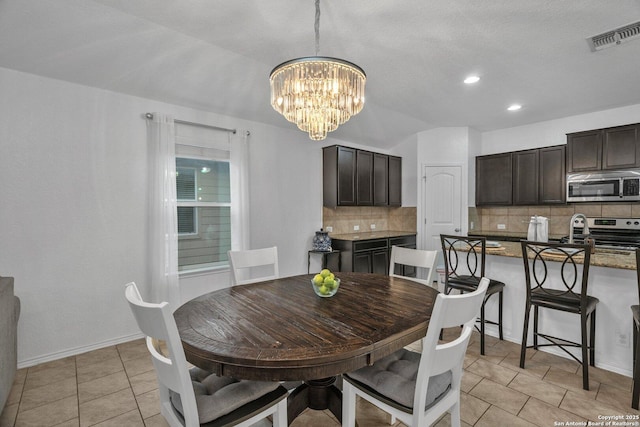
(618,233)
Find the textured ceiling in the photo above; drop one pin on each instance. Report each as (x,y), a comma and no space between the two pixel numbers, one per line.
(217,55)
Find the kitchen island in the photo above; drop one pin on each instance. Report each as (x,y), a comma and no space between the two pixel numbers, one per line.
(603,257)
(612,279)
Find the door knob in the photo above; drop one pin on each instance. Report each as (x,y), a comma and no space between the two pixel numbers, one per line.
(457,230)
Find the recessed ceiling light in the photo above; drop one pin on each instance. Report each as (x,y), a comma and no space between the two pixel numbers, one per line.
(471,80)
(514,107)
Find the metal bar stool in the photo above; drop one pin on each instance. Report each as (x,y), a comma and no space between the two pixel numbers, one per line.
(464,262)
(635,309)
(559,285)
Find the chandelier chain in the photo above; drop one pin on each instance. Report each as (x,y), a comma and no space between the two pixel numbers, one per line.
(317,27)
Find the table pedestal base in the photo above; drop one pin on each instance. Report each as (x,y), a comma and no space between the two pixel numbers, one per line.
(315,394)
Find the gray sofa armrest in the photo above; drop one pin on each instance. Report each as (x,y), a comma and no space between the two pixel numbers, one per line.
(9,314)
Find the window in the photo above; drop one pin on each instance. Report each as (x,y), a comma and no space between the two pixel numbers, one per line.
(186,191)
(203,198)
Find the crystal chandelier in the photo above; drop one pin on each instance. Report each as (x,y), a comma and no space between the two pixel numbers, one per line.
(317,93)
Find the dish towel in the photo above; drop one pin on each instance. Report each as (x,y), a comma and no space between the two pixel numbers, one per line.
(538,229)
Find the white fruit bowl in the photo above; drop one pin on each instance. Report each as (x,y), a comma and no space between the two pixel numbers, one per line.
(326,291)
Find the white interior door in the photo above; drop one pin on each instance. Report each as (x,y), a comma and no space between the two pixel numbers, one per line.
(441,203)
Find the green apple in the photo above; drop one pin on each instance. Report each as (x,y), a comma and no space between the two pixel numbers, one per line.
(329,283)
(318,279)
(323,290)
(325,272)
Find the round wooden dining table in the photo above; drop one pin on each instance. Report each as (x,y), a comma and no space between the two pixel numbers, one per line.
(280,330)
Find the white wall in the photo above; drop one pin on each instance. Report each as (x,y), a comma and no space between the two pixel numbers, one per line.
(73,207)
(445,146)
(553,132)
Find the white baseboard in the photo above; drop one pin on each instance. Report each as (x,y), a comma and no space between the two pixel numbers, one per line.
(76,350)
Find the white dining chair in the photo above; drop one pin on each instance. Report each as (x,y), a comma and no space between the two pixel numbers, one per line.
(415,258)
(418,388)
(254,265)
(418,258)
(191,397)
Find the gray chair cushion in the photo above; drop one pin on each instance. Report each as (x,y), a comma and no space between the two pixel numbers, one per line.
(217,396)
(395,378)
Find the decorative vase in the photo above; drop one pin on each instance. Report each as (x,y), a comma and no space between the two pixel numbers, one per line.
(321,241)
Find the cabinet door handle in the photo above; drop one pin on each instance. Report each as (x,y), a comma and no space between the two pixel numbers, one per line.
(457,230)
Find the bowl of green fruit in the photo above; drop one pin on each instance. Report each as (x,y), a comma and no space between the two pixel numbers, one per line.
(325,284)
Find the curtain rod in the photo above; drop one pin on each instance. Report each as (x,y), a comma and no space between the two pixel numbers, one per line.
(184,122)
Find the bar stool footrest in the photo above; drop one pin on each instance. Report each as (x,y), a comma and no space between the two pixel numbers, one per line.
(555,342)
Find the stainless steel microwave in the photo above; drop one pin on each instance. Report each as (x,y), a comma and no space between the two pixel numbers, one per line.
(612,186)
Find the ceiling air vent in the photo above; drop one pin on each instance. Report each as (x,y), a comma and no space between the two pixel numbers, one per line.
(614,37)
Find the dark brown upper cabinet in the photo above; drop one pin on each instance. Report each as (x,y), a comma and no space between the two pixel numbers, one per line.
(380,179)
(621,147)
(494,180)
(339,176)
(354,177)
(364,177)
(395,181)
(527,177)
(604,149)
(552,175)
(584,151)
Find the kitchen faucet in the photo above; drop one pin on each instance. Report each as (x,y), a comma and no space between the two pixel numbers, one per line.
(585,230)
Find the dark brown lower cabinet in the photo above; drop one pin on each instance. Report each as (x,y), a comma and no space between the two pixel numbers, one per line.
(405,242)
(372,255)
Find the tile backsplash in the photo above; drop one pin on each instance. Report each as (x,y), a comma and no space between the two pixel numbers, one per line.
(343,218)
(516,218)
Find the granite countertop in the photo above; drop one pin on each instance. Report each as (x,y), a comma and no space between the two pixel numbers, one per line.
(511,236)
(612,258)
(382,234)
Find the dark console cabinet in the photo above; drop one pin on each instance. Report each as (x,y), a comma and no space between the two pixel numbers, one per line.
(372,255)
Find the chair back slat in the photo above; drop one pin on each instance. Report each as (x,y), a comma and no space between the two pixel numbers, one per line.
(415,258)
(447,356)
(463,256)
(566,275)
(255,265)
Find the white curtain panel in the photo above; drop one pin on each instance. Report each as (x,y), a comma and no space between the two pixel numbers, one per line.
(239,176)
(162,219)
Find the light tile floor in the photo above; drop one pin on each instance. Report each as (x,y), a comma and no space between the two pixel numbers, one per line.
(116,386)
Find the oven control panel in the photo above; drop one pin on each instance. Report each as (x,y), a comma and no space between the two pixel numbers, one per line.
(613,223)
